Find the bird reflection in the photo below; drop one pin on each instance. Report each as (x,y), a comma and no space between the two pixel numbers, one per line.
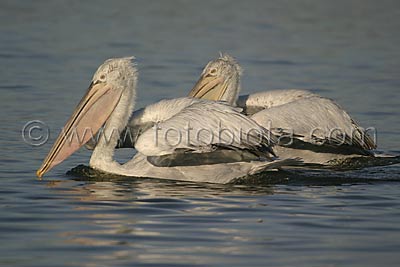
(125,218)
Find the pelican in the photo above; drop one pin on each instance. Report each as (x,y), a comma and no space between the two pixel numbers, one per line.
(107,106)
(307,125)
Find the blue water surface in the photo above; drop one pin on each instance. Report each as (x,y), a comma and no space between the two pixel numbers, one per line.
(345,50)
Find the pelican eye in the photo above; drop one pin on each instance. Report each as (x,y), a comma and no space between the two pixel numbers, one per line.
(102,77)
(212,72)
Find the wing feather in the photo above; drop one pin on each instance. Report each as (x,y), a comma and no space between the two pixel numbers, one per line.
(204,126)
(145,118)
(315,120)
(263,100)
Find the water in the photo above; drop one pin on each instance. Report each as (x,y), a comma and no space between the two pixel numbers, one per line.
(345,50)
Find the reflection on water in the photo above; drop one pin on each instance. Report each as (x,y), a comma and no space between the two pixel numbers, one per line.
(134,215)
(346,50)
(156,222)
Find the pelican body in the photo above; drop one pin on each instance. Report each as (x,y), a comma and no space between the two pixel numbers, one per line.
(107,106)
(308,126)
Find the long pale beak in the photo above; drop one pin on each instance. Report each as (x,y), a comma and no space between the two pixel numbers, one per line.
(91,113)
(209,87)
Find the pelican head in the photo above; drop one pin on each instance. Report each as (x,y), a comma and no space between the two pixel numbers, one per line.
(220,80)
(110,95)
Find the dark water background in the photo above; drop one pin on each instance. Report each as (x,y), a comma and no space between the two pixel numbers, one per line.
(345,50)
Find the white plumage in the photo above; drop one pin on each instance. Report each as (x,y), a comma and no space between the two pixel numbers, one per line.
(116,80)
(318,129)
(201,125)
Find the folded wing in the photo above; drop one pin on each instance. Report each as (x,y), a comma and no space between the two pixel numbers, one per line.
(318,121)
(205,127)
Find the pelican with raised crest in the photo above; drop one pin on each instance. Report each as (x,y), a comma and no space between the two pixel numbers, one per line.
(308,126)
(204,130)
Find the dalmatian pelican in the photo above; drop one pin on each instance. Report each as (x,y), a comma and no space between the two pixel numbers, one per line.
(228,144)
(307,125)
